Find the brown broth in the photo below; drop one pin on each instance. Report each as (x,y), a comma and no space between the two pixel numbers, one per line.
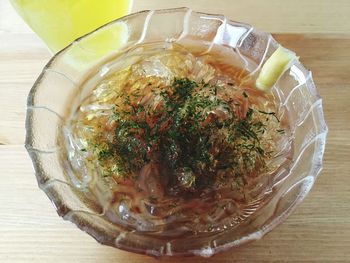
(144,200)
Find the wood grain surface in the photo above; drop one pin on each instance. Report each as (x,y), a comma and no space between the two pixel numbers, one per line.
(319,229)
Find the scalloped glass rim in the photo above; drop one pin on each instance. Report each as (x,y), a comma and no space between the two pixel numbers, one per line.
(295,89)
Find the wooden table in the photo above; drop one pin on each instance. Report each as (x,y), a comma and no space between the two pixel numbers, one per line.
(319,230)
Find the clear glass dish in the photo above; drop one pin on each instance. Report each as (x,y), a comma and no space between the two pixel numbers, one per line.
(50,99)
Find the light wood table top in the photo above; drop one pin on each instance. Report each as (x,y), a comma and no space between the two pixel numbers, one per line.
(319,229)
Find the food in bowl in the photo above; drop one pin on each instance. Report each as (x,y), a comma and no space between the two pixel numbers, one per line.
(174,142)
(159,194)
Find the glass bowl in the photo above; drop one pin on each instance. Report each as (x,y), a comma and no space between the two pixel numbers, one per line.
(49,101)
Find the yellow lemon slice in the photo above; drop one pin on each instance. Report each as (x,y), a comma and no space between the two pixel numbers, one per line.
(274,67)
(59,22)
(89,50)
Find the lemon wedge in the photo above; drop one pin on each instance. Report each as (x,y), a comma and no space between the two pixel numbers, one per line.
(90,49)
(274,67)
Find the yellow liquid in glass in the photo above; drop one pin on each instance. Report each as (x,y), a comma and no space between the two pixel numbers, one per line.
(60,22)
